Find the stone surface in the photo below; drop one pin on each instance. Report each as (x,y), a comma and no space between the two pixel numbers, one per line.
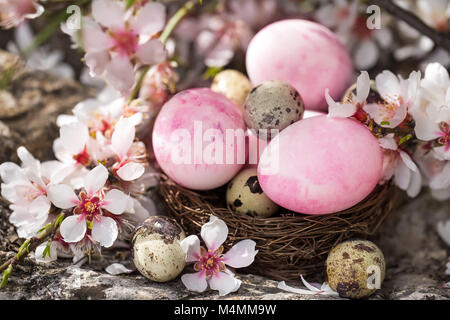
(415,255)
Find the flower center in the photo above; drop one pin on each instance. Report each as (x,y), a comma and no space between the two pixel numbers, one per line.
(210,262)
(125,42)
(89,207)
(360,28)
(444,135)
(82,158)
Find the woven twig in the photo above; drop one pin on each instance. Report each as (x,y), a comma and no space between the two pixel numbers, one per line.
(289,244)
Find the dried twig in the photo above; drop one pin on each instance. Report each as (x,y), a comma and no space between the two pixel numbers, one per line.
(440,39)
(28,246)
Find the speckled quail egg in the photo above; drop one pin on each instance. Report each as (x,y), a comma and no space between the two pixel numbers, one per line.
(355,268)
(273,105)
(232,84)
(156,251)
(245,196)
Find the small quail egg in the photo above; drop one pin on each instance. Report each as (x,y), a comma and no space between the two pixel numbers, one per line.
(156,251)
(355,268)
(273,105)
(245,196)
(232,84)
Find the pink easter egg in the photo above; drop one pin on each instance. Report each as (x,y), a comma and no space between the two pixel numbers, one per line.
(321,165)
(199,139)
(306,55)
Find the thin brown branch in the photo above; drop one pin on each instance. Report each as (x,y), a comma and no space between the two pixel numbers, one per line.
(440,39)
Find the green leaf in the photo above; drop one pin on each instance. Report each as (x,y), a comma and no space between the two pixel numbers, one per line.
(130,3)
(405,138)
(211,72)
(47,250)
(5,278)
(44,228)
(385,123)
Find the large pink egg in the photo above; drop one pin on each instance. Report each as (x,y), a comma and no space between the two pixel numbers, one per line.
(304,54)
(199,139)
(321,165)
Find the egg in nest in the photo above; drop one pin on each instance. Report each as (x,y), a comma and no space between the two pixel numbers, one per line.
(245,196)
(232,84)
(272,105)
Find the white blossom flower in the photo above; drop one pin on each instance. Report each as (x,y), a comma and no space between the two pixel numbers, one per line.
(14,12)
(40,58)
(130,154)
(349,20)
(116,38)
(399,95)
(399,164)
(347,109)
(26,189)
(443,229)
(432,114)
(210,263)
(89,208)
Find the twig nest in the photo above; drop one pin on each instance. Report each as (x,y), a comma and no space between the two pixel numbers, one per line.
(232,84)
(245,196)
(156,251)
(355,268)
(273,105)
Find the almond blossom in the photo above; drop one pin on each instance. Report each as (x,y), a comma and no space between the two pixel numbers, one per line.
(26,188)
(399,164)
(131,155)
(348,109)
(210,262)
(312,289)
(92,208)
(13,12)
(398,96)
(117,39)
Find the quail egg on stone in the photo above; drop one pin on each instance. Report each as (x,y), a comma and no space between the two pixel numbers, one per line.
(272,105)
(355,268)
(232,84)
(156,251)
(245,196)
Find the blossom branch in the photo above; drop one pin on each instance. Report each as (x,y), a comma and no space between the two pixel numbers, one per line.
(440,39)
(28,246)
(173,22)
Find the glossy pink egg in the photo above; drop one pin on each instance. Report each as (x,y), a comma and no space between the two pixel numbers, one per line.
(321,165)
(306,55)
(199,139)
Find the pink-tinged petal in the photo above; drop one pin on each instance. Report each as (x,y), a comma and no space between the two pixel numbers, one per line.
(94,39)
(415,184)
(73,229)
(62,196)
(28,160)
(120,74)
(117,268)
(441,194)
(241,255)
(442,179)
(96,179)
(224,283)
(74,137)
(388,142)
(49,256)
(150,19)
(388,85)
(362,87)
(11,173)
(115,201)
(426,128)
(110,14)
(214,233)
(338,110)
(408,161)
(402,176)
(123,137)
(191,247)
(152,52)
(131,171)
(97,62)
(195,281)
(105,231)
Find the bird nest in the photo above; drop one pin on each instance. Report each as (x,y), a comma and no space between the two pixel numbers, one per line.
(289,244)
